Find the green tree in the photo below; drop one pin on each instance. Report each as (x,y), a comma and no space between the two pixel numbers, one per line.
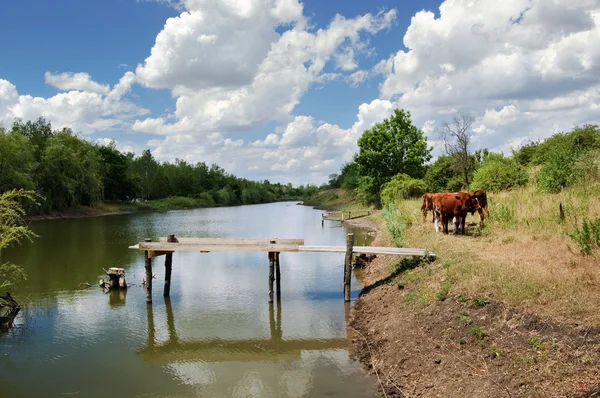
(391,147)
(440,174)
(117,184)
(13,230)
(498,173)
(17,161)
(402,186)
(71,173)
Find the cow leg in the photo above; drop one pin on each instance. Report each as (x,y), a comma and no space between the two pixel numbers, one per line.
(481,217)
(456,222)
(436,224)
(463,222)
(445,223)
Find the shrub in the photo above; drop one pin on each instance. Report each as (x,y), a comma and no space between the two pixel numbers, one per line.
(587,236)
(402,186)
(558,171)
(397,223)
(499,173)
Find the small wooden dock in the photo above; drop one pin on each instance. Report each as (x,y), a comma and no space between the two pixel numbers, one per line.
(166,246)
(344,215)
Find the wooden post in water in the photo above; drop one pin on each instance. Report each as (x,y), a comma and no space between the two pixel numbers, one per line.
(348,266)
(271,274)
(168,268)
(322,220)
(278,276)
(148,274)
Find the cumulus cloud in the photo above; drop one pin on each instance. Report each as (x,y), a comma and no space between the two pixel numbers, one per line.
(508,62)
(84,110)
(75,81)
(251,74)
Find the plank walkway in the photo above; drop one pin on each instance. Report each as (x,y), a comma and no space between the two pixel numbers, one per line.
(206,245)
(166,246)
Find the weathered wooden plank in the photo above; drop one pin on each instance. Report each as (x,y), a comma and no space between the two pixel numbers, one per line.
(366,250)
(171,247)
(233,241)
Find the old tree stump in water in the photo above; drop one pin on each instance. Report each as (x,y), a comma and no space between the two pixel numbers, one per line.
(117,278)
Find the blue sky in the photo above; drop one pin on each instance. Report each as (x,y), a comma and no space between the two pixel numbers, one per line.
(262,113)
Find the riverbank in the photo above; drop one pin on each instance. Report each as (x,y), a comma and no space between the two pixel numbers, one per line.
(108,209)
(448,329)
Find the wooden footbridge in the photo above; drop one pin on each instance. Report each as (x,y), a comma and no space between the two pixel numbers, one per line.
(166,246)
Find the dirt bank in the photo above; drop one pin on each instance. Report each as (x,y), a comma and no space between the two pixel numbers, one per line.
(82,212)
(457,346)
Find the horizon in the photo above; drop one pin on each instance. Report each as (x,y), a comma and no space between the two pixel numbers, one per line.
(281,90)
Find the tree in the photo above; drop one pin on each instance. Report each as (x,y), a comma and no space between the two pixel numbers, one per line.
(394,146)
(16,161)
(457,144)
(439,174)
(12,230)
(498,173)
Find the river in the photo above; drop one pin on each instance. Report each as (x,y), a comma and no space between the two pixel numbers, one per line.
(217,335)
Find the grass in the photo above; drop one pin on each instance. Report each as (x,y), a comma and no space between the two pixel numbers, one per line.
(523,256)
(336,200)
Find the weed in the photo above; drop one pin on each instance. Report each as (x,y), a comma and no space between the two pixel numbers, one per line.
(441,296)
(400,285)
(479,333)
(446,264)
(494,353)
(466,319)
(480,302)
(411,296)
(462,299)
(462,341)
(588,236)
(536,344)
(541,343)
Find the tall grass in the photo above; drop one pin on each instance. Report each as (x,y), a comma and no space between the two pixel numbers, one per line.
(528,256)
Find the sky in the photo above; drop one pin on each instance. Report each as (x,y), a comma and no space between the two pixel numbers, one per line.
(282,89)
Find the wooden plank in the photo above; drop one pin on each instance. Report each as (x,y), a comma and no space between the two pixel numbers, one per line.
(164,246)
(366,249)
(234,241)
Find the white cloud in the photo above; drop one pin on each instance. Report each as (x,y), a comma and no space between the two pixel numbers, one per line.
(75,81)
(249,73)
(509,63)
(82,111)
(357,78)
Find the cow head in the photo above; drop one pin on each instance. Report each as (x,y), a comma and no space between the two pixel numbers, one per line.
(467,202)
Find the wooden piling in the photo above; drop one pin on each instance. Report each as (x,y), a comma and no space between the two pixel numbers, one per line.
(168,268)
(348,266)
(278,276)
(271,275)
(148,274)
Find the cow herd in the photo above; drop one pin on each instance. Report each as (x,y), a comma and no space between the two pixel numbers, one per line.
(454,205)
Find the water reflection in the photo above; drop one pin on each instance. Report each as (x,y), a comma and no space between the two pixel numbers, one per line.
(273,348)
(216,335)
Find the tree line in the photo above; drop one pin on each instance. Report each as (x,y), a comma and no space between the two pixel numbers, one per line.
(392,161)
(67,171)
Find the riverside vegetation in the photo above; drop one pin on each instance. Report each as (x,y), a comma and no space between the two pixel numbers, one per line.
(70,172)
(510,309)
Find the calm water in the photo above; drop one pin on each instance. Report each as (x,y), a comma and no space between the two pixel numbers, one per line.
(217,336)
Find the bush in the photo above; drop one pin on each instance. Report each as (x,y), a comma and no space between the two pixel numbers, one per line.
(397,223)
(558,171)
(402,186)
(499,173)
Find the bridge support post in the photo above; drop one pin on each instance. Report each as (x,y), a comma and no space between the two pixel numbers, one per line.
(148,274)
(348,266)
(168,268)
(271,275)
(278,276)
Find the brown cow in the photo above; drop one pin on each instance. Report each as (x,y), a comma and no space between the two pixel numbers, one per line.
(456,205)
(481,204)
(427,204)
